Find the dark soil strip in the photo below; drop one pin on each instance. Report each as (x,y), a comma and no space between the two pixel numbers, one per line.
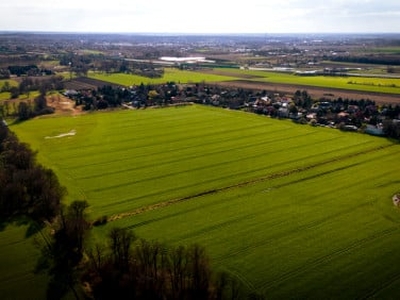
(240,184)
(85,83)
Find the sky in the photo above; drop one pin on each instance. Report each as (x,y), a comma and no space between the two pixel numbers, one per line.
(206,16)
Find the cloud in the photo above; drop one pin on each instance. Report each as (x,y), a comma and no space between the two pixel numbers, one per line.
(203,16)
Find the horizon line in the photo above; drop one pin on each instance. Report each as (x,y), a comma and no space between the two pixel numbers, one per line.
(155,33)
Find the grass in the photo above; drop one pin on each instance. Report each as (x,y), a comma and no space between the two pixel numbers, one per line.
(17,262)
(365,84)
(386,50)
(290,210)
(170,75)
(12,104)
(10,81)
(5,96)
(354,83)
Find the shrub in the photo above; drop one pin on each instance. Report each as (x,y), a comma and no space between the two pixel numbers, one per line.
(100,221)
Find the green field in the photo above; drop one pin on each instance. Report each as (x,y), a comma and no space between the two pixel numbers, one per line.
(10,81)
(19,257)
(170,75)
(292,211)
(6,95)
(354,83)
(365,84)
(386,50)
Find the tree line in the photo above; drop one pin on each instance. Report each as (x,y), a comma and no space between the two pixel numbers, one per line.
(29,84)
(370,59)
(126,267)
(131,268)
(28,109)
(81,64)
(26,187)
(24,110)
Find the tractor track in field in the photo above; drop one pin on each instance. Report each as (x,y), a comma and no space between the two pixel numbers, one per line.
(372,294)
(281,235)
(276,175)
(295,272)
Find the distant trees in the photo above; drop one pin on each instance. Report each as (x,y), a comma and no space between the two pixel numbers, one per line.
(4,73)
(392,128)
(368,59)
(26,110)
(23,70)
(80,64)
(6,87)
(43,84)
(29,84)
(302,99)
(144,69)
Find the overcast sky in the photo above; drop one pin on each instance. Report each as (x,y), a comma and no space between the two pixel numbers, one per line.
(206,16)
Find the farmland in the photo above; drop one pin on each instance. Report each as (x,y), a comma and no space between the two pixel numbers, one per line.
(170,75)
(287,209)
(19,281)
(364,84)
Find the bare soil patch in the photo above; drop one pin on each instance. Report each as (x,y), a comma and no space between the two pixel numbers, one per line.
(63,105)
(85,83)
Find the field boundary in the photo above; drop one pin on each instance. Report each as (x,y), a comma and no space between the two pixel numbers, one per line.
(170,202)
